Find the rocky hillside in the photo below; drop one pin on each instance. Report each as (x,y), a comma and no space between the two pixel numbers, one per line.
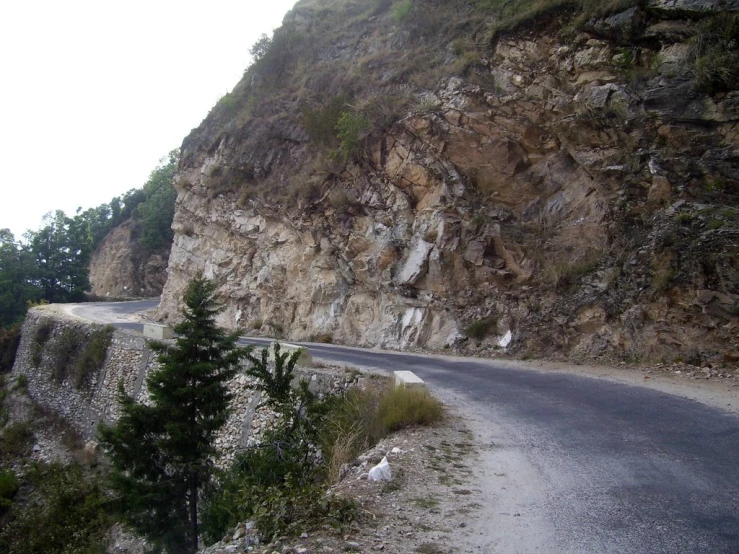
(121,268)
(547,178)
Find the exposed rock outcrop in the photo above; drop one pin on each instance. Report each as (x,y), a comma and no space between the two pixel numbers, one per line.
(119,268)
(577,192)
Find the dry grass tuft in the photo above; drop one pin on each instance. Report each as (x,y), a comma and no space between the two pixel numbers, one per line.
(363,416)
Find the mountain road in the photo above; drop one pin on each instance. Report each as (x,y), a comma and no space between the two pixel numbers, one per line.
(572,462)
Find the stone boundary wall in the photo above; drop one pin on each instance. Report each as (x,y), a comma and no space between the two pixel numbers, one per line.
(129,360)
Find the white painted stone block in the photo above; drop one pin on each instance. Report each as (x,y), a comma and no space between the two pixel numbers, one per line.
(158,332)
(408,379)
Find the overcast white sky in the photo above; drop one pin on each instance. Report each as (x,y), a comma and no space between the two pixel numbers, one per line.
(94,93)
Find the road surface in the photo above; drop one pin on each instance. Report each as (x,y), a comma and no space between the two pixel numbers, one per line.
(573,463)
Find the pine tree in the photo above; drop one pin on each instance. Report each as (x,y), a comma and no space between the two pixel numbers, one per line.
(162,452)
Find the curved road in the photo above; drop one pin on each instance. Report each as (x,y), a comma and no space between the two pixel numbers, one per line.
(577,464)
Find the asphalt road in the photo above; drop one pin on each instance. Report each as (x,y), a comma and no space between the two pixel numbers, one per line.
(611,467)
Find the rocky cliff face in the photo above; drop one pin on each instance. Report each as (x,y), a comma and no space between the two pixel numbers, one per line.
(119,268)
(562,184)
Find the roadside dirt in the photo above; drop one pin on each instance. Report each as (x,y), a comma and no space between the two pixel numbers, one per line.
(429,506)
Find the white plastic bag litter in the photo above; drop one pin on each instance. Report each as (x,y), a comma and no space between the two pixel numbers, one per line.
(381,472)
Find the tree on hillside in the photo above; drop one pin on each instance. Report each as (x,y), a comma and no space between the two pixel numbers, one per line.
(16,289)
(162,452)
(60,252)
(151,207)
(156,212)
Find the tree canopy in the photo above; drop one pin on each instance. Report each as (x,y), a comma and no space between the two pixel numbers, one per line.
(162,452)
(15,289)
(61,255)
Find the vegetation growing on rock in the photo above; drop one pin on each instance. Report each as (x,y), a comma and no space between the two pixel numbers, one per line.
(534,160)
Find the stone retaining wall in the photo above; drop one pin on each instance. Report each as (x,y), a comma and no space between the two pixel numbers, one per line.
(129,360)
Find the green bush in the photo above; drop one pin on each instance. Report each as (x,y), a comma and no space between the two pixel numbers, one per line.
(320,122)
(663,277)
(293,510)
(4,392)
(351,426)
(16,440)
(274,482)
(512,15)
(93,354)
(683,219)
(714,53)
(287,508)
(261,47)
(381,111)
(282,459)
(381,6)
(350,129)
(272,56)
(63,351)
(280,483)
(40,338)
(362,416)
(21,383)
(67,511)
(400,10)
(562,275)
(75,356)
(156,212)
(8,488)
(228,103)
(10,338)
(459,46)
(341,200)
